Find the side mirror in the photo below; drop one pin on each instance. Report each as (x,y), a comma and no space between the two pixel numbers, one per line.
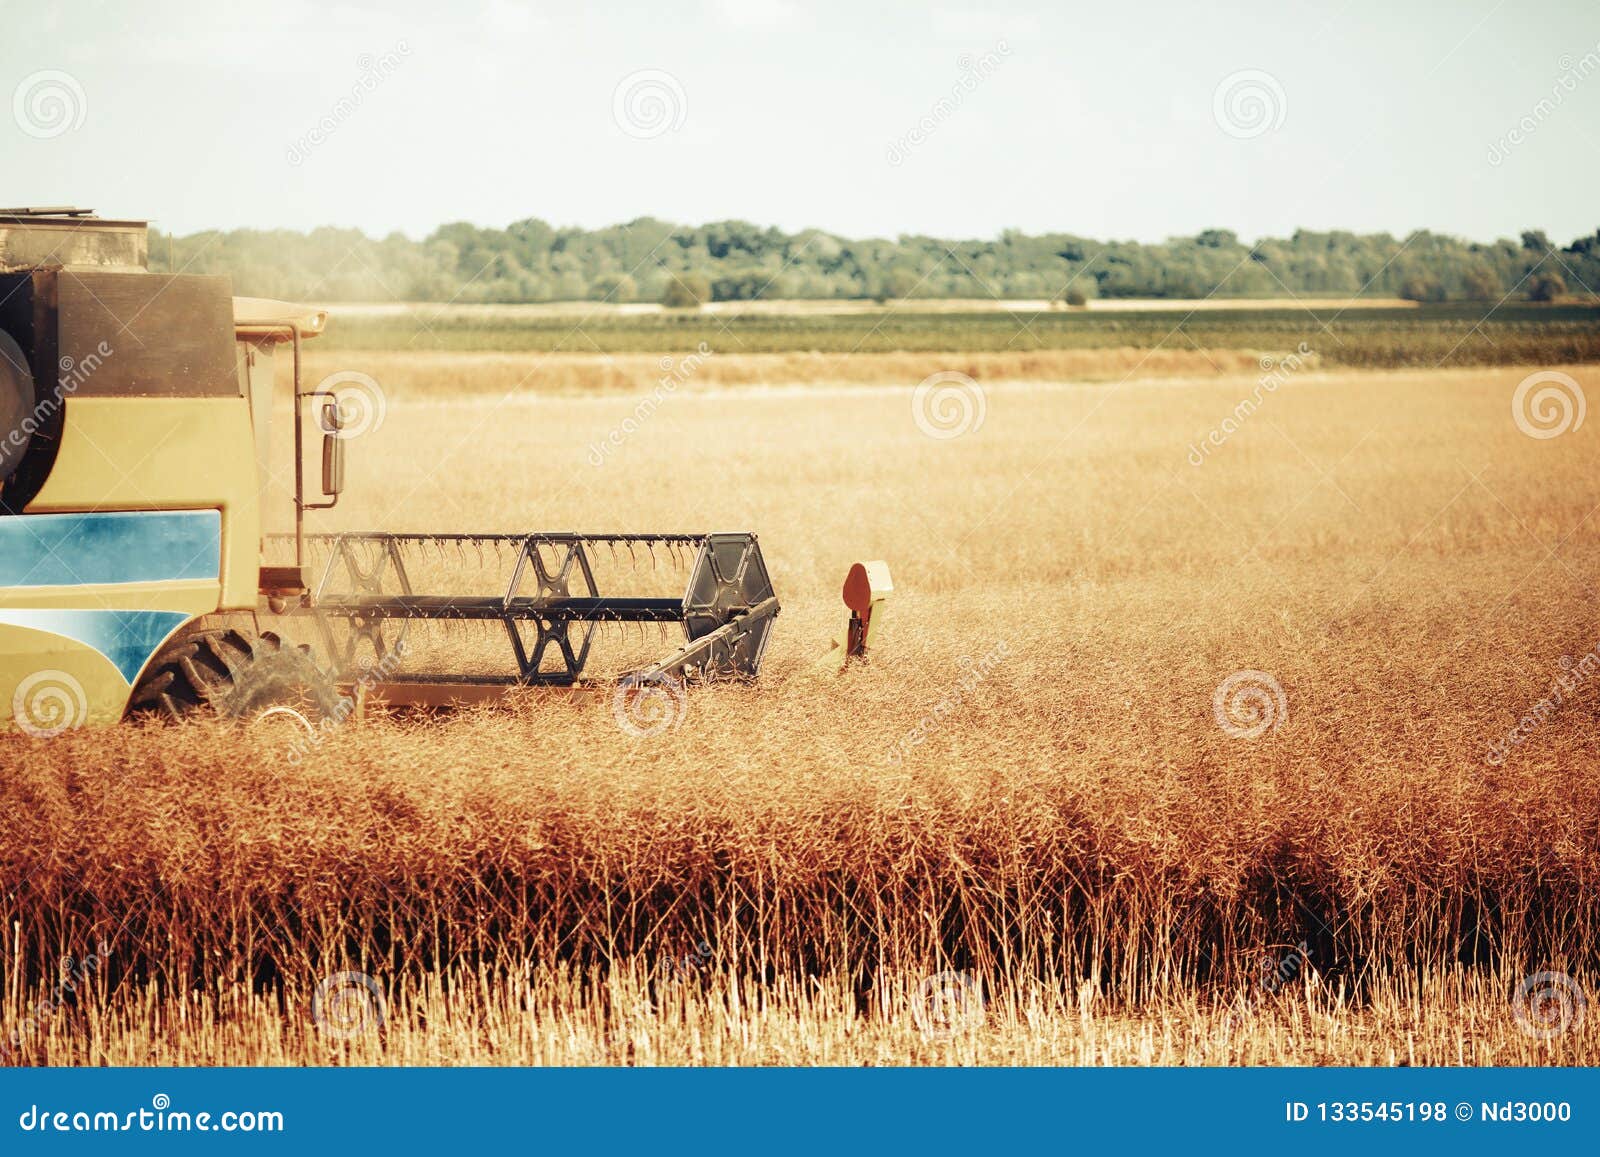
(332,450)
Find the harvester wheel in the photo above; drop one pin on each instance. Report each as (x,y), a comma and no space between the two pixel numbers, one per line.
(235,675)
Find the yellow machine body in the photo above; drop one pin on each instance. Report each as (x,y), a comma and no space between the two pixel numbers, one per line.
(134,507)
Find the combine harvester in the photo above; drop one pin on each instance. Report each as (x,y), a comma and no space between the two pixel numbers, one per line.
(135,576)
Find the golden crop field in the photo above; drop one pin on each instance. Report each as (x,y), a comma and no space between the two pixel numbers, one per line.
(1157,762)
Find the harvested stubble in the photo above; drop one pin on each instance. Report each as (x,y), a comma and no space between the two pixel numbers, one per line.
(1073,827)
(446,375)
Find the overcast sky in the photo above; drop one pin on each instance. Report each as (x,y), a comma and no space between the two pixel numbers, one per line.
(1107,119)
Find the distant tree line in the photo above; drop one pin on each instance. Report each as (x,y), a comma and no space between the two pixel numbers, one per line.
(655,261)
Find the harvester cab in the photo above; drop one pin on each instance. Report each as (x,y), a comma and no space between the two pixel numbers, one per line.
(136,471)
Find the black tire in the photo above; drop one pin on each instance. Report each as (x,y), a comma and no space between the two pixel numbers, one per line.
(16,405)
(236,676)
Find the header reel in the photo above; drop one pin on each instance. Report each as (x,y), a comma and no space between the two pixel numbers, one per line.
(557,599)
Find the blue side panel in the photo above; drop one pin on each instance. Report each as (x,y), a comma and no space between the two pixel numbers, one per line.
(127,638)
(112,547)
